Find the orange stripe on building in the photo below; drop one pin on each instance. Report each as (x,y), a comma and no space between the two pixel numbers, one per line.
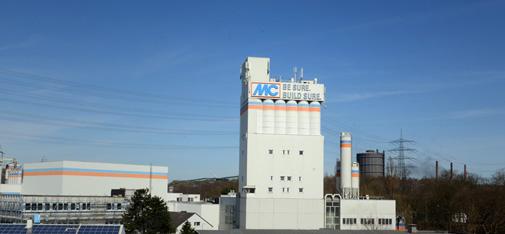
(345,145)
(355,175)
(98,174)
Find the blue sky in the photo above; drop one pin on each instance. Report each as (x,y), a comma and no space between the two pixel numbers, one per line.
(158,82)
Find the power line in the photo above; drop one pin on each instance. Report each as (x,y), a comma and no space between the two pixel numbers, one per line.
(401,151)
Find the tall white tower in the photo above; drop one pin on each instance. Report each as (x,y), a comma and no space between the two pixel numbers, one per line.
(345,164)
(281,151)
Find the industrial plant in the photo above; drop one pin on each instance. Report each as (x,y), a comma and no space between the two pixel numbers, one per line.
(280,182)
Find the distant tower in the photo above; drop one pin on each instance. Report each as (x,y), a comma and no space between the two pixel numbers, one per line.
(345,164)
(401,156)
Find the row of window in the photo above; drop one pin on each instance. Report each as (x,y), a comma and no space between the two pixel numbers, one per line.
(286,178)
(367,221)
(385,221)
(68,206)
(285,152)
(284,189)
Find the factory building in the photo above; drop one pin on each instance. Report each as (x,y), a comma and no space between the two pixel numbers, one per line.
(371,163)
(350,210)
(70,192)
(281,150)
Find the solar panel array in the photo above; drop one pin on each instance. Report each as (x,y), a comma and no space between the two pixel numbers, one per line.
(12,229)
(60,229)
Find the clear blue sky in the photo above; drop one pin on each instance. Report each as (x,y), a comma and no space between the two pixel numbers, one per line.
(158,82)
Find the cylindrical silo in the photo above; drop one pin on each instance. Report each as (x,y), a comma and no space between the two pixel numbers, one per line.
(345,160)
(303,118)
(371,163)
(355,180)
(337,176)
(292,117)
(280,117)
(268,116)
(315,118)
(255,115)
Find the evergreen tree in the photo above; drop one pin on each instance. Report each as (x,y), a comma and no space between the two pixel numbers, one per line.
(187,229)
(146,214)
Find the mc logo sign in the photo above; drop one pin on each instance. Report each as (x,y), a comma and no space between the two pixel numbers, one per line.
(266,90)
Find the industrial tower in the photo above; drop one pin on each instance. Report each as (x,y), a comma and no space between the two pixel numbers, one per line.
(281,151)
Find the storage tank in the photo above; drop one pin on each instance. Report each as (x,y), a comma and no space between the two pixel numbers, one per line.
(268,116)
(345,160)
(280,117)
(355,180)
(315,118)
(292,117)
(303,118)
(255,115)
(371,163)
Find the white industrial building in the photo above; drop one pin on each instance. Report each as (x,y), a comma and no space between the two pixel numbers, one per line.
(281,150)
(91,178)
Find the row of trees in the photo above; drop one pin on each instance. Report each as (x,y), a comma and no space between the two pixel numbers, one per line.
(459,204)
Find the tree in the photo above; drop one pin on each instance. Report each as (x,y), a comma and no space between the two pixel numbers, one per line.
(146,214)
(187,229)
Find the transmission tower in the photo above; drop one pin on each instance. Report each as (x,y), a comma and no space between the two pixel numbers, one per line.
(401,151)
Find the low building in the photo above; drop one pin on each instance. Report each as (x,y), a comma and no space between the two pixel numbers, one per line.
(177,220)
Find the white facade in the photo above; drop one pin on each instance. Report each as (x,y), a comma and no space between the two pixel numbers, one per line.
(208,211)
(367,214)
(91,178)
(281,151)
(197,222)
(181,197)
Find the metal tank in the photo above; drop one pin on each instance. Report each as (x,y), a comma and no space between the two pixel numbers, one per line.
(371,163)
(315,118)
(345,160)
(303,118)
(268,116)
(355,180)
(292,117)
(280,117)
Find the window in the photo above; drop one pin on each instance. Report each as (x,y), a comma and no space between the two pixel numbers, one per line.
(287,189)
(83,206)
(179,199)
(34,206)
(65,206)
(300,152)
(300,190)
(271,178)
(60,206)
(72,206)
(289,178)
(283,189)
(47,206)
(282,178)
(78,206)
(118,206)
(299,178)
(109,206)
(55,206)
(89,206)
(196,224)
(270,151)
(39,206)
(270,189)
(28,206)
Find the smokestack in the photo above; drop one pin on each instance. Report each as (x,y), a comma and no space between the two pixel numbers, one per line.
(465,172)
(355,180)
(436,169)
(451,172)
(345,163)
